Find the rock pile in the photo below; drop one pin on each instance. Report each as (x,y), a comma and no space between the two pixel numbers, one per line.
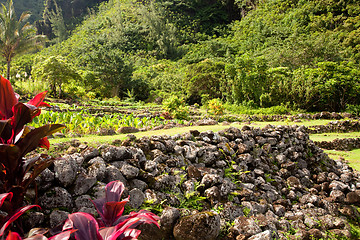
(344,144)
(235,184)
(336,126)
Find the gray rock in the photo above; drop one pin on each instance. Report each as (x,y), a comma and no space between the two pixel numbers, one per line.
(245,226)
(203,225)
(56,197)
(57,217)
(124,130)
(112,174)
(129,172)
(266,235)
(337,196)
(90,153)
(45,180)
(97,168)
(294,182)
(168,218)
(83,201)
(116,154)
(136,183)
(311,222)
(33,219)
(164,182)
(353,197)
(83,183)
(99,190)
(91,211)
(137,198)
(213,194)
(150,166)
(337,185)
(65,170)
(210,180)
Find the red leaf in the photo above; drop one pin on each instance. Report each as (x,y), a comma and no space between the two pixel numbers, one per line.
(112,211)
(15,216)
(111,208)
(113,191)
(8,98)
(37,101)
(136,218)
(10,156)
(3,197)
(32,139)
(44,143)
(22,116)
(13,236)
(63,235)
(85,224)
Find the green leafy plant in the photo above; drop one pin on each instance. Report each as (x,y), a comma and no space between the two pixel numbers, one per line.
(176,107)
(215,107)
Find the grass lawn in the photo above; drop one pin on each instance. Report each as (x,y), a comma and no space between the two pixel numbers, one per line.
(332,136)
(352,157)
(171,131)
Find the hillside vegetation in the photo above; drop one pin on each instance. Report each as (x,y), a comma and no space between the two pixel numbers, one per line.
(299,53)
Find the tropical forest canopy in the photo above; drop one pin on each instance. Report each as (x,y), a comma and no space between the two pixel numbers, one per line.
(260,53)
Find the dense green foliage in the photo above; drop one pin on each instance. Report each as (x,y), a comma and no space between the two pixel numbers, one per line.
(296,53)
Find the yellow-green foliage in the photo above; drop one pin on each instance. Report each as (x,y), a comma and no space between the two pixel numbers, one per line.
(215,107)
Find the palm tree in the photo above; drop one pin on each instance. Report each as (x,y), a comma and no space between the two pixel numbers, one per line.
(16,36)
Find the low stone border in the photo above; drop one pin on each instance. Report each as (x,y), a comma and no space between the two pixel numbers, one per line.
(344,144)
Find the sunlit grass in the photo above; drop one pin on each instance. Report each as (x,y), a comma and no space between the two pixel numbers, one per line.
(171,132)
(332,136)
(352,157)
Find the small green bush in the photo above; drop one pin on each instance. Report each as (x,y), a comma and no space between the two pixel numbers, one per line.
(353,109)
(176,107)
(215,107)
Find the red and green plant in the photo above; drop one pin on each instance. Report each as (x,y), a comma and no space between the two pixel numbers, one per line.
(111,225)
(17,173)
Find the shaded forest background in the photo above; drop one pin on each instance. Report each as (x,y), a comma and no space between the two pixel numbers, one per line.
(259,53)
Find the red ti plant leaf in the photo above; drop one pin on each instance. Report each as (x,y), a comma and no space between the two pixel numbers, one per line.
(38,165)
(110,208)
(8,99)
(85,224)
(134,219)
(22,116)
(44,143)
(13,236)
(63,235)
(3,197)
(10,158)
(32,139)
(5,131)
(37,101)
(15,216)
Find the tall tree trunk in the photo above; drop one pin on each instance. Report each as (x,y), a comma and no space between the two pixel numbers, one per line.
(8,70)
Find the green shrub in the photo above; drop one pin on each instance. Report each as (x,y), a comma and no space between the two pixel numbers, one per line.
(353,109)
(215,107)
(176,107)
